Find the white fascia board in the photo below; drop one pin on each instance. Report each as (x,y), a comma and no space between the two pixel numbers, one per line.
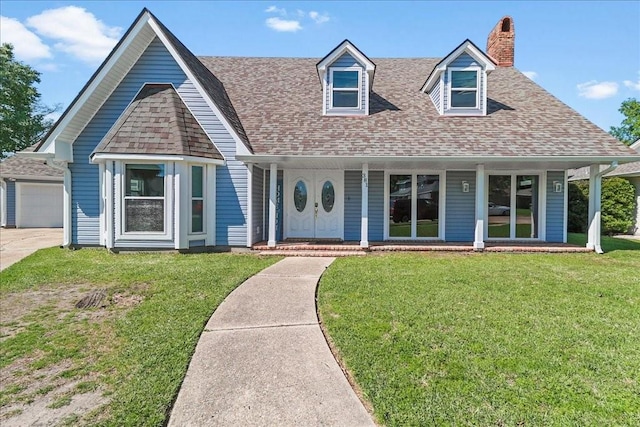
(636,146)
(240,147)
(90,90)
(433,78)
(101,157)
(54,179)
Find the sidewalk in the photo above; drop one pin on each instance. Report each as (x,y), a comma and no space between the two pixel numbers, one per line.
(262,359)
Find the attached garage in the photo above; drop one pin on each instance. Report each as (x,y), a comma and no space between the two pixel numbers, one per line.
(31,193)
(39,205)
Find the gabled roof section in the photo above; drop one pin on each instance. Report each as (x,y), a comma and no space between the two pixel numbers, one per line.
(158,122)
(466,46)
(24,167)
(115,67)
(338,51)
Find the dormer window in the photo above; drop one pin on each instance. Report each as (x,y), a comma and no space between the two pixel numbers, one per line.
(346,75)
(464,88)
(345,88)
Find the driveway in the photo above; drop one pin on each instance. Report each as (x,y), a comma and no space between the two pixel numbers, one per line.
(17,243)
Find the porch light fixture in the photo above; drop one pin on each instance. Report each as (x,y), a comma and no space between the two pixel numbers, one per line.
(465,186)
(557,186)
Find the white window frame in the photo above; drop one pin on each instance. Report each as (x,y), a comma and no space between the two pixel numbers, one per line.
(542,206)
(121,182)
(359,88)
(442,200)
(203,199)
(451,89)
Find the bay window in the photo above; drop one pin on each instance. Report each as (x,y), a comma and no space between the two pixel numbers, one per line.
(144,198)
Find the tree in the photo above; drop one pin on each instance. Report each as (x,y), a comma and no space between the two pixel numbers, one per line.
(629,130)
(22,117)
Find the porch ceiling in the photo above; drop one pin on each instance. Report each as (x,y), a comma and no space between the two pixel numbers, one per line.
(431,163)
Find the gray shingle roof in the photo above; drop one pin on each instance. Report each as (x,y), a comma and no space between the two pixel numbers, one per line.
(17,166)
(158,122)
(279,102)
(628,169)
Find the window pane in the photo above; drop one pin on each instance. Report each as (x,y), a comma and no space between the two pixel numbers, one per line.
(460,79)
(400,206)
(345,98)
(197,225)
(144,180)
(300,196)
(527,207)
(499,207)
(428,198)
(345,79)
(196,181)
(463,98)
(328,196)
(144,215)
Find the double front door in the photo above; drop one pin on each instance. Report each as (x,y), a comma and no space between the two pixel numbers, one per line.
(314,201)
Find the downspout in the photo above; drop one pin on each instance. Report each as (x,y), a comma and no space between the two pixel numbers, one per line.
(64,167)
(3,203)
(598,185)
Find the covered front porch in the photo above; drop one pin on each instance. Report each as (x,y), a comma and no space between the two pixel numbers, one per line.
(348,205)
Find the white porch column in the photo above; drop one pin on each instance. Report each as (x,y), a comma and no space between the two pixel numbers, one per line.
(364,221)
(595,188)
(478,241)
(273,182)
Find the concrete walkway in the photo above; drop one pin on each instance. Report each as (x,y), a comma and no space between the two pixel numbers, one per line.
(18,243)
(262,359)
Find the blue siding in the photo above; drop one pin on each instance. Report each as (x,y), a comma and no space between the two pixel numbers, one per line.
(258,204)
(157,65)
(555,208)
(464,60)
(460,214)
(352,204)
(346,60)
(376,206)
(11,204)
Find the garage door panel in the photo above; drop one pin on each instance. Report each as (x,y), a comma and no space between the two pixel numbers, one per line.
(39,205)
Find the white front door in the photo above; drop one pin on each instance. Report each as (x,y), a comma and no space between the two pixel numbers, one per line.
(314,203)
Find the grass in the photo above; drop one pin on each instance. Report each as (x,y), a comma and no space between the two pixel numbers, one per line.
(136,352)
(491,339)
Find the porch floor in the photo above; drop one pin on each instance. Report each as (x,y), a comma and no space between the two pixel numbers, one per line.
(352,248)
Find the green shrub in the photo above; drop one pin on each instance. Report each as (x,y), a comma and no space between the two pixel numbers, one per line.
(618,206)
(578,206)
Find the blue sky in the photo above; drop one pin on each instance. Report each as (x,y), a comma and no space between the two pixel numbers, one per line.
(585,53)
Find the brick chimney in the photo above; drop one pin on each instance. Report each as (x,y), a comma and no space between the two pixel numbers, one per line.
(500,43)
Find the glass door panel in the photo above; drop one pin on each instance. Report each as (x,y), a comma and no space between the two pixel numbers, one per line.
(400,206)
(527,206)
(428,196)
(499,206)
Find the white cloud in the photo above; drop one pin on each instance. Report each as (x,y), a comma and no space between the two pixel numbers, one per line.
(633,85)
(26,45)
(594,90)
(274,9)
(77,32)
(318,18)
(283,25)
(531,74)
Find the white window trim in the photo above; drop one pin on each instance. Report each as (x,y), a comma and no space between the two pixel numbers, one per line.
(450,87)
(542,206)
(203,198)
(414,203)
(331,88)
(121,234)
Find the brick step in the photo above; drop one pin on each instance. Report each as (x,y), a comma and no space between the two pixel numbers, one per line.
(311,253)
(309,247)
(420,248)
(530,249)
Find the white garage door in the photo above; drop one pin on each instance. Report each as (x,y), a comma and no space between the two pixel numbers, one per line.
(38,205)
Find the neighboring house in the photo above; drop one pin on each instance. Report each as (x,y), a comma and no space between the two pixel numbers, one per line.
(164,149)
(30,193)
(629,171)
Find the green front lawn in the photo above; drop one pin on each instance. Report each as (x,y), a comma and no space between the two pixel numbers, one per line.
(491,339)
(135,351)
